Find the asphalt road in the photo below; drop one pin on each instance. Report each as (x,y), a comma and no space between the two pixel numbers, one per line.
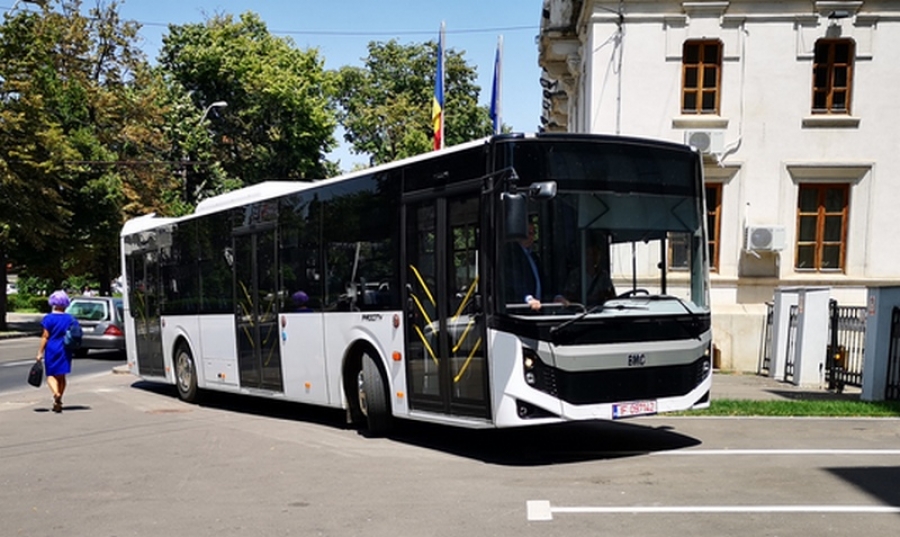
(17,356)
(128,458)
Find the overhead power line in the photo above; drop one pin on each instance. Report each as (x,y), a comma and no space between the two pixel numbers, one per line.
(350,33)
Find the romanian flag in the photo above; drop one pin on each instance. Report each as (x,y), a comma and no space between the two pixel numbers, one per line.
(495,89)
(437,103)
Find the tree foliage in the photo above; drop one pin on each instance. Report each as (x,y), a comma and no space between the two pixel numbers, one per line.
(76,102)
(386,104)
(280,120)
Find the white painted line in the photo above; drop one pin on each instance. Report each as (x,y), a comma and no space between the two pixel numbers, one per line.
(538,510)
(542,510)
(19,363)
(708,452)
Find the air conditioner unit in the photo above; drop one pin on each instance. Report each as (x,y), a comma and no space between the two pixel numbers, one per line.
(764,238)
(706,141)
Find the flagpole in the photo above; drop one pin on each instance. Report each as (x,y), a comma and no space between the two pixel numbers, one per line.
(437,106)
(497,88)
(443,79)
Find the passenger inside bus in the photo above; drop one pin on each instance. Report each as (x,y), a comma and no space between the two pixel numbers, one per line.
(300,302)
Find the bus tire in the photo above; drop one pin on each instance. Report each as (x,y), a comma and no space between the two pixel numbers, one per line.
(373,402)
(185,374)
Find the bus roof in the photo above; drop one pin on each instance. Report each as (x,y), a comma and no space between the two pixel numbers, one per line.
(273,189)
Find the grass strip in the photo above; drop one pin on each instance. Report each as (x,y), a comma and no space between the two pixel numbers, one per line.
(801,408)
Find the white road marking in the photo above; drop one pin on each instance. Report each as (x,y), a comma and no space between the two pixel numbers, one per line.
(19,363)
(708,452)
(542,510)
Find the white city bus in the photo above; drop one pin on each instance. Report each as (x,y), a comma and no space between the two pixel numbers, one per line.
(388,292)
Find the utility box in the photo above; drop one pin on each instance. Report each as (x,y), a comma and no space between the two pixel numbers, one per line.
(812,337)
(803,343)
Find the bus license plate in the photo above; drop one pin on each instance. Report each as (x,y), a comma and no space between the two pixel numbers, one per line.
(633,408)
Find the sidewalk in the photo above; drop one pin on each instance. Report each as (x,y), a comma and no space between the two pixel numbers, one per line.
(22,325)
(749,386)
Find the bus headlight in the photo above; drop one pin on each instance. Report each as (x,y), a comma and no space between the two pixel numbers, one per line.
(533,367)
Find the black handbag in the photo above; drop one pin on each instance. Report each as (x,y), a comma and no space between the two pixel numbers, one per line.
(36,375)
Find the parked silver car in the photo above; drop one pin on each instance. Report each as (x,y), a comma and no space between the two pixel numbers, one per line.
(102,321)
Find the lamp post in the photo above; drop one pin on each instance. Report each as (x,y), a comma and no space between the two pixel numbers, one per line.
(217,104)
(185,161)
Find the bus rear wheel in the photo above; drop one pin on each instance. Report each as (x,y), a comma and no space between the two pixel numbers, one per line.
(373,402)
(185,374)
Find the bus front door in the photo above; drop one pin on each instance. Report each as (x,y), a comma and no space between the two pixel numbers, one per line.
(256,305)
(445,332)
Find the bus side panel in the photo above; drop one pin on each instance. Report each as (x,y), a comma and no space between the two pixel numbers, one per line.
(508,383)
(343,329)
(303,358)
(216,354)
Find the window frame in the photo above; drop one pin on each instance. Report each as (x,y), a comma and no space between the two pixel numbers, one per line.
(714,215)
(831,67)
(700,90)
(821,214)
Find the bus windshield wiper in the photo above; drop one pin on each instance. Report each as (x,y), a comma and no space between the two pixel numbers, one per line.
(683,305)
(596,309)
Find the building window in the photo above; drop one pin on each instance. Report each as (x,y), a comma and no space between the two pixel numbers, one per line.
(701,75)
(822,226)
(713,218)
(832,76)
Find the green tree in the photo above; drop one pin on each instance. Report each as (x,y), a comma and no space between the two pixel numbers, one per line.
(80,139)
(386,104)
(280,118)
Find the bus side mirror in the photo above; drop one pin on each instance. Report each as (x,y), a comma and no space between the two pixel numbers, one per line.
(515,215)
(542,191)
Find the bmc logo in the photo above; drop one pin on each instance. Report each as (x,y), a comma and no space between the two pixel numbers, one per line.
(637,360)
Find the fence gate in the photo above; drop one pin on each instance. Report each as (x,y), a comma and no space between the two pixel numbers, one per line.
(791,343)
(892,386)
(765,359)
(847,337)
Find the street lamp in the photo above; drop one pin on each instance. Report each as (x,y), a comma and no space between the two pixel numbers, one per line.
(184,159)
(217,104)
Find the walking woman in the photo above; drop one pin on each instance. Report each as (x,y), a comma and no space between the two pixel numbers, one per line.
(57,359)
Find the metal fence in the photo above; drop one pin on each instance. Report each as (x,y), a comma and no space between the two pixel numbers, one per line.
(892,385)
(847,337)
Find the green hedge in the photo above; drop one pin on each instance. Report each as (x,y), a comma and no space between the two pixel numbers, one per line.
(25,302)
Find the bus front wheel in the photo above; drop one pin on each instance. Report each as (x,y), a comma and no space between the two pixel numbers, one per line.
(373,402)
(185,374)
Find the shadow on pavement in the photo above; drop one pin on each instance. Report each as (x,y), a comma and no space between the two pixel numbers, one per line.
(526,446)
(66,408)
(814,395)
(879,482)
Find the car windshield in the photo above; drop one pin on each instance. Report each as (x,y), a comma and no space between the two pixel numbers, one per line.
(88,310)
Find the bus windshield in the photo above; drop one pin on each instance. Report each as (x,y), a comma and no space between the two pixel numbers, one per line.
(622,232)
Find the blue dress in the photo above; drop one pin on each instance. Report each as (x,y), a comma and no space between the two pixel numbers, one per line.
(57,360)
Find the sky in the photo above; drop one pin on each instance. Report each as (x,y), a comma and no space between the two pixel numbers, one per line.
(342,29)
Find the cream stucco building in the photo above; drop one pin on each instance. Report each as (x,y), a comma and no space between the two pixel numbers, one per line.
(795,107)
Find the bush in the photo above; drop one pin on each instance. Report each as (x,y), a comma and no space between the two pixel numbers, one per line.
(26,302)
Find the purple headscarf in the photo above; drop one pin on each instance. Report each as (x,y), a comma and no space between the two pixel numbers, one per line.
(59,299)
